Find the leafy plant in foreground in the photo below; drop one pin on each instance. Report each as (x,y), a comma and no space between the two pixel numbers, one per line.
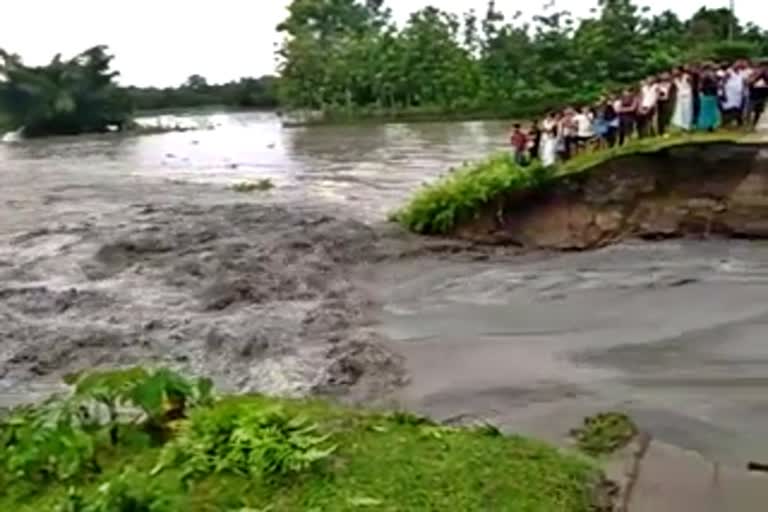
(162,396)
(47,442)
(59,439)
(266,443)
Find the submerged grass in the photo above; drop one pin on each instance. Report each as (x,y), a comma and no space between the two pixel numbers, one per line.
(605,433)
(261,185)
(261,453)
(455,198)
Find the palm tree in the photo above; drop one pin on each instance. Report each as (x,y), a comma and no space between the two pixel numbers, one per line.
(72,96)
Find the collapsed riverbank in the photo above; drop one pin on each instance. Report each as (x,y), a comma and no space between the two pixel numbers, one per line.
(691,190)
(699,185)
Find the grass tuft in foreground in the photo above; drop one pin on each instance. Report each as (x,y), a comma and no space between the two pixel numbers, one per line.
(458,196)
(257,453)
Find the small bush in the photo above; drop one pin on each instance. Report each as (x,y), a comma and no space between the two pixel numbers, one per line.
(438,208)
(254,186)
(604,433)
(264,443)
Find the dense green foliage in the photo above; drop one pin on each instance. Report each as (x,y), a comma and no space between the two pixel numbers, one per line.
(80,95)
(197,92)
(455,198)
(461,194)
(349,56)
(61,438)
(73,96)
(266,454)
(261,443)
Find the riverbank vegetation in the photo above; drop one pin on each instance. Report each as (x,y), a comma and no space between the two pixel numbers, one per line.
(455,198)
(137,440)
(65,97)
(350,59)
(81,95)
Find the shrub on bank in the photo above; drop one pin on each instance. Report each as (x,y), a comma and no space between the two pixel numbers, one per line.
(438,208)
(260,453)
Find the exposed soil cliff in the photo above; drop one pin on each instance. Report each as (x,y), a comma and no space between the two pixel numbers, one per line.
(703,189)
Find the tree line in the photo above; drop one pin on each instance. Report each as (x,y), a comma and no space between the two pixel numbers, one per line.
(196,92)
(350,56)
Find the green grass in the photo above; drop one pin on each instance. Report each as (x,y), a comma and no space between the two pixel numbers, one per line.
(382,462)
(460,195)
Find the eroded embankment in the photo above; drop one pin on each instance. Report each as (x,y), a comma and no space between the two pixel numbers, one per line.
(701,189)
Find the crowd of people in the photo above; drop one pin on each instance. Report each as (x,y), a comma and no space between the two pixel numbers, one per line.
(701,97)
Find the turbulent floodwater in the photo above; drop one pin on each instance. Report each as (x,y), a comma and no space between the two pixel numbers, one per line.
(119,250)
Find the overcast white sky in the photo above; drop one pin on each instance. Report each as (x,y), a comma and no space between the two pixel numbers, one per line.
(161,42)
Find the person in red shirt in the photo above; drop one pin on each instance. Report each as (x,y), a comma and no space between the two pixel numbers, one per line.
(519,141)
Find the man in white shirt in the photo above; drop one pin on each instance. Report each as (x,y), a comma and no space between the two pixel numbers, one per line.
(583,123)
(646,114)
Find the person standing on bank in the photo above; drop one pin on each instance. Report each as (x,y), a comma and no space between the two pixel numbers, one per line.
(709,113)
(734,94)
(626,107)
(649,97)
(582,122)
(519,141)
(683,116)
(612,122)
(548,149)
(695,73)
(534,136)
(758,93)
(666,103)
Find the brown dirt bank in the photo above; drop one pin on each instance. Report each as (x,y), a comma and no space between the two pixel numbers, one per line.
(692,190)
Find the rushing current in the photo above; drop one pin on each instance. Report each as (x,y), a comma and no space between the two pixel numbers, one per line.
(117,250)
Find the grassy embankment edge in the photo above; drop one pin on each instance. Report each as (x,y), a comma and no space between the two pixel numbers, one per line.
(439,207)
(330,458)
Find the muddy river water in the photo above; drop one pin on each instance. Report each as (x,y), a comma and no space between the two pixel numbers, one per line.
(117,250)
